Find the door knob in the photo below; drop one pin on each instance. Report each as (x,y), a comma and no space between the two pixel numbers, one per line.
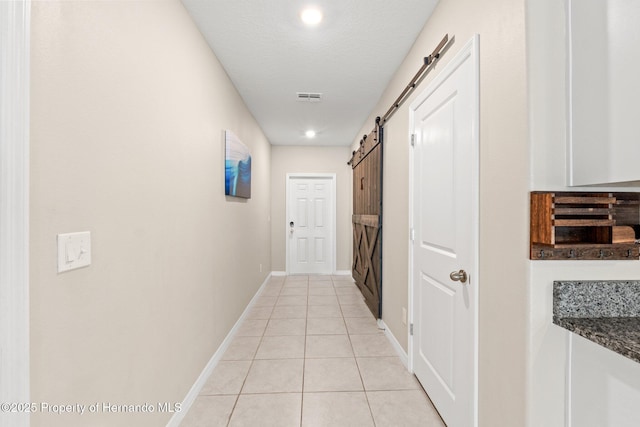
(459,276)
(291,224)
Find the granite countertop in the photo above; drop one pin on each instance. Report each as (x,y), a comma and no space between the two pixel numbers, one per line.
(605,312)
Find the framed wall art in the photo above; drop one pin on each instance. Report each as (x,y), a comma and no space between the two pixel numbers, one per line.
(237,181)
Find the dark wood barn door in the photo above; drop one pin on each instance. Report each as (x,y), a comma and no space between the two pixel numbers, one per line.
(367,219)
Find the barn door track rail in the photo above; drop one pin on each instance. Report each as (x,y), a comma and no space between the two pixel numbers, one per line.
(369,142)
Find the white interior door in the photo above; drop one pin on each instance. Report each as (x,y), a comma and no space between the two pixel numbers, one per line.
(311,224)
(444,254)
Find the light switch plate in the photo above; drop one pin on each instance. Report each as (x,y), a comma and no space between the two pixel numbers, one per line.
(74,250)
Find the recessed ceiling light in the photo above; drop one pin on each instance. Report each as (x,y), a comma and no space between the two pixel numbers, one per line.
(311,16)
(310,133)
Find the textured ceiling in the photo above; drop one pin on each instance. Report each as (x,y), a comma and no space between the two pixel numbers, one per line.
(349,57)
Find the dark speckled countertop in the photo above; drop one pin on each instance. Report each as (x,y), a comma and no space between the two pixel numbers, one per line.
(605,312)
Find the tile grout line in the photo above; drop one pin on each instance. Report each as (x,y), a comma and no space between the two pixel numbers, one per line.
(263,335)
(364,390)
(304,355)
(253,358)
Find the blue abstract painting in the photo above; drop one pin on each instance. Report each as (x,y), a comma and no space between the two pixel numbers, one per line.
(237,176)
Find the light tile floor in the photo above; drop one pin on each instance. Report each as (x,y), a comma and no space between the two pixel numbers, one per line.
(308,354)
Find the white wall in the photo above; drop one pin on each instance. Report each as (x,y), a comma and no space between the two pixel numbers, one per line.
(504,186)
(546,50)
(310,159)
(129,106)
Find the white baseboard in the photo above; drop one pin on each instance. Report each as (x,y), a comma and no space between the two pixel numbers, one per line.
(213,362)
(343,273)
(395,344)
(337,273)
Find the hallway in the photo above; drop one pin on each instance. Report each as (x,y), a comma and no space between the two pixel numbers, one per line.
(310,353)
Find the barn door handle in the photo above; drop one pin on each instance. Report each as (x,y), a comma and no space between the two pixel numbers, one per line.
(362,183)
(459,276)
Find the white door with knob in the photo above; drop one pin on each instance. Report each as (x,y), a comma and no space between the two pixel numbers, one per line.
(444,211)
(310,224)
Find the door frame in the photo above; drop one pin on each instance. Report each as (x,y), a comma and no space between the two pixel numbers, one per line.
(15,26)
(332,214)
(471,48)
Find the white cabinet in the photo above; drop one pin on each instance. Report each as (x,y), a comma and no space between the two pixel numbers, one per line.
(604,91)
(604,386)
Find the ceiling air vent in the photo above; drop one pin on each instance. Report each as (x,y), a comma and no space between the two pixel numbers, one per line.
(308,96)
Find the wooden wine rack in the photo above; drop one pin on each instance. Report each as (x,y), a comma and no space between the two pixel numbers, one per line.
(584,226)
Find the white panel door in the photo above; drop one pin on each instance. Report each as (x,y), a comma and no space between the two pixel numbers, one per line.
(310,226)
(444,218)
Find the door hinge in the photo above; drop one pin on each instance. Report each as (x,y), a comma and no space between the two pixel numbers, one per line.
(411,329)
(413,139)
(412,235)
